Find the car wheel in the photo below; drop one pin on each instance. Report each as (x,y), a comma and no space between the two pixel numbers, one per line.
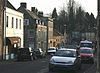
(92,61)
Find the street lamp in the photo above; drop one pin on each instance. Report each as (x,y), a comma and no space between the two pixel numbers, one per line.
(2,5)
(65,35)
(98,37)
(47,35)
(5,5)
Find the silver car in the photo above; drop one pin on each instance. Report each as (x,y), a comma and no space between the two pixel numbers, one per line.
(65,59)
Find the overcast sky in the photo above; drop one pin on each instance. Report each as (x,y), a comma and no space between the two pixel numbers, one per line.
(47,6)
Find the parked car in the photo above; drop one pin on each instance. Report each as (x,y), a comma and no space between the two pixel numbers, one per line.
(23,54)
(86,54)
(65,59)
(39,53)
(52,50)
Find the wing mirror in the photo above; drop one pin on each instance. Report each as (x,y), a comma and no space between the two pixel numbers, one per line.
(78,56)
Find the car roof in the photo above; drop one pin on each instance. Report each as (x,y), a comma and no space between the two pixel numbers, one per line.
(52,47)
(85,48)
(67,49)
(86,41)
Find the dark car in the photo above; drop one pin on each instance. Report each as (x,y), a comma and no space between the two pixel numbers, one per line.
(39,53)
(23,54)
(65,59)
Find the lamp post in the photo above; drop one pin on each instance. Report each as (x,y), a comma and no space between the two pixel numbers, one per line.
(47,35)
(65,35)
(98,37)
(4,51)
(1,28)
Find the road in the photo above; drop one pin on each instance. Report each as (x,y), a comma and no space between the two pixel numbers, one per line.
(36,66)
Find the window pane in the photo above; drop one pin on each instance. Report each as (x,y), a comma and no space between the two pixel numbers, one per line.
(7,21)
(16,23)
(20,23)
(12,22)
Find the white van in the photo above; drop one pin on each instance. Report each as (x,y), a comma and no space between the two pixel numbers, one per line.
(86,43)
(52,50)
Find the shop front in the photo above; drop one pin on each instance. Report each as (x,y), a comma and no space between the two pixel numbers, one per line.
(12,44)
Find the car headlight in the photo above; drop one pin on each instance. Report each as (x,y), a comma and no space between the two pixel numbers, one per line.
(70,62)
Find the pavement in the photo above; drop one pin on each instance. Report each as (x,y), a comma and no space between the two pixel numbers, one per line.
(92,69)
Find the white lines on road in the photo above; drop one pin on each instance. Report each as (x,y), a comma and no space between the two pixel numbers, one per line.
(43,61)
(45,70)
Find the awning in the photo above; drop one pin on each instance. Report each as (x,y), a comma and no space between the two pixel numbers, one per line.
(14,40)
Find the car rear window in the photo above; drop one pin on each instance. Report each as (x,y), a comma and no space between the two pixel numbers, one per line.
(86,45)
(51,49)
(65,53)
(22,50)
(87,51)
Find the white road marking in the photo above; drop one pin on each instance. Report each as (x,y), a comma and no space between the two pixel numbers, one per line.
(45,70)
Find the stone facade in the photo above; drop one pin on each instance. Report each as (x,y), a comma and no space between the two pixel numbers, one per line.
(1,28)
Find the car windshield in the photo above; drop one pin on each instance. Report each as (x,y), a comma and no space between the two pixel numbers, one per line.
(65,53)
(87,51)
(51,48)
(86,45)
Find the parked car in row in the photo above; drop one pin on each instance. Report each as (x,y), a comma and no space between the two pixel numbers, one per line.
(29,54)
(86,55)
(39,53)
(23,54)
(87,43)
(51,50)
(65,59)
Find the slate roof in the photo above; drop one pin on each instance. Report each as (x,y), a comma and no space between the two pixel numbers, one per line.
(56,33)
(24,10)
(33,15)
(9,5)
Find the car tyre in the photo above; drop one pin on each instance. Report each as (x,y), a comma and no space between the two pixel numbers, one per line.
(92,62)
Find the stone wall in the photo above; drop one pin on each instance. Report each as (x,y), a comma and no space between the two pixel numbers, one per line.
(1,27)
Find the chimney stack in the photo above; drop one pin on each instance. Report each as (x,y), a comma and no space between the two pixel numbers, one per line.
(23,4)
(40,14)
(33,9)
